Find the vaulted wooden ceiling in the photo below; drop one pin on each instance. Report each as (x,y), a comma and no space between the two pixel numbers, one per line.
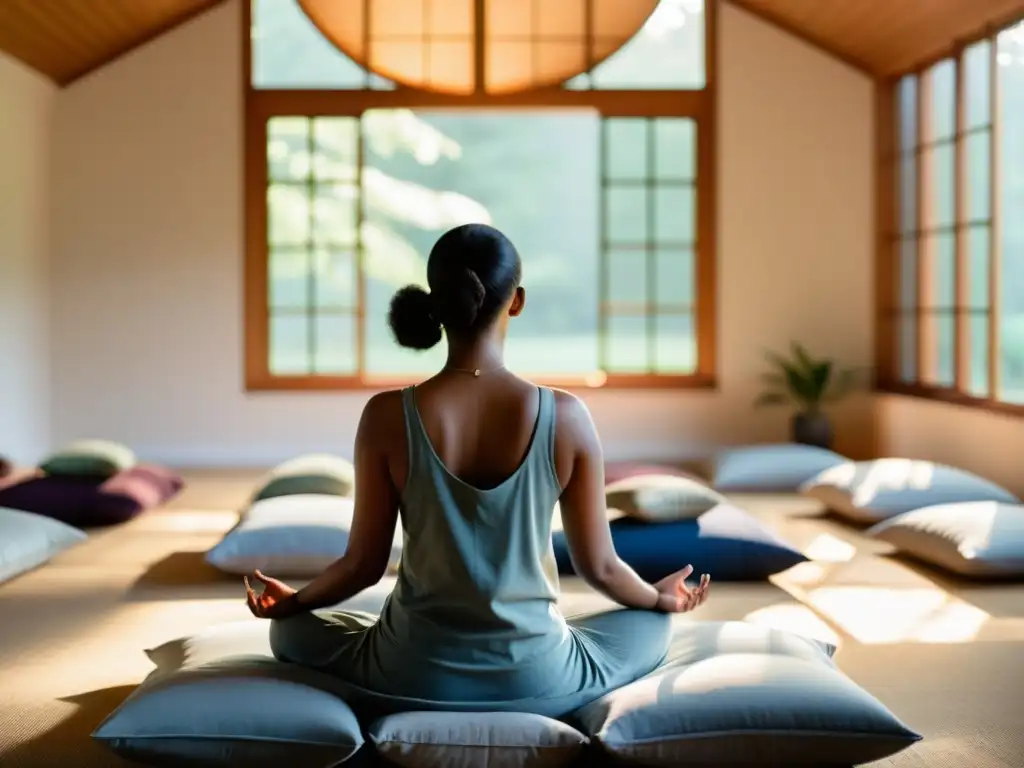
(66,39)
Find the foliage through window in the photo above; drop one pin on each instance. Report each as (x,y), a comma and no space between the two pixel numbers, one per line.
(955,314)
(600,188)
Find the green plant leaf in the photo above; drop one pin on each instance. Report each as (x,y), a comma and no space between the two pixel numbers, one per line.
(771,398)
(803,358)
(820,375)
(773,379)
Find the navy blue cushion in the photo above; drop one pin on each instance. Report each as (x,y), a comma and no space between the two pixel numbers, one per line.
(726,542)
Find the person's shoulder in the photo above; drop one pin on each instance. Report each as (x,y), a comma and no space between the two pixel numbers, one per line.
(570,410)
(383,408)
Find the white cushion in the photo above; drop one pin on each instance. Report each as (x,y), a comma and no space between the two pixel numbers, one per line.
(28,540)
(974,538)
(872,491)
(661,498)
(775,468)
(461,740)
(220,698)
(740,694)
(296,536)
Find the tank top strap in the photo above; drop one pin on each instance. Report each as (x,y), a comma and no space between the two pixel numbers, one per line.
(543,452)
(417,442)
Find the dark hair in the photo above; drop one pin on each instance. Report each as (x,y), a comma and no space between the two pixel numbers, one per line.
(472,271)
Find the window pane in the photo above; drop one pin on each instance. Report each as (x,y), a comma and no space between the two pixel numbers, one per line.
(941,107)
(335,345)
(979,172)
(335,274)
(667,53)
(937,338)
(977,67)
(978,379)
(675,147)
(939,181)
(626,149)
(907,112)
(1011,235)
(675,348)
(533,174)
(289,345)
(625,214)
(908,274)
(335,148)
(288,148)
(627,276)
(289,278)
(908,194)
(978,258)
(675,275)
(627,346)
(674,214)
(336,212)
(288,214)
(941,254)
(908,347)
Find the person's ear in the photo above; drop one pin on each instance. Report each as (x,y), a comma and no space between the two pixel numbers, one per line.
(518,302)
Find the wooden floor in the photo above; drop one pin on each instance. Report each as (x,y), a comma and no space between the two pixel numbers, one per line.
(946,658)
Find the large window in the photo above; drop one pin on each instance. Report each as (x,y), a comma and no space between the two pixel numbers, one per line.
(601,179)
(953,270)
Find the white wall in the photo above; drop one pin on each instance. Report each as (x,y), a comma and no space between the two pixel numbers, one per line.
(147,280)
(25,118)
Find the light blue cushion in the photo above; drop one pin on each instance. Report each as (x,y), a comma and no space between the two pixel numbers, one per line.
(871,491)
(972,538)
(458,740)
(297,536)
(743,694)
(220,698)
(775,468)
(28,540)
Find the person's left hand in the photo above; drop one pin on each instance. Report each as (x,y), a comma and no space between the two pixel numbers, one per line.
(276,601)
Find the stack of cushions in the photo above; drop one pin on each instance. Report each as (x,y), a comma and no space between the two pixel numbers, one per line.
(981,539)
(92,483)
(869,492)
(733,694)
(290,536)
(674,521)
(28,540)
(773,468)
(318,473)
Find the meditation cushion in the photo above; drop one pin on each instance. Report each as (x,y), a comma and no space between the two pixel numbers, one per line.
(100,459)
(972,538)
(318,473)
(458,740)
(773,468)
(661,498)
(28,540)
(220,698)
(296,536)
(736,694)
(871,491)
(86,501)
(726,542)
(622,470)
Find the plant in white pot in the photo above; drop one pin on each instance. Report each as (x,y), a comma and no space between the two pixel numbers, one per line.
(808,384)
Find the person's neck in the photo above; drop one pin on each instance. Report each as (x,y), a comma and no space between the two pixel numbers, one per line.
(485,355)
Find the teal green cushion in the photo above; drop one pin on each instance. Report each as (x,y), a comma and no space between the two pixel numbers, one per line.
(90,458)
(315,473)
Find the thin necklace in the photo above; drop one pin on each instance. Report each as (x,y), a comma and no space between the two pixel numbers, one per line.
(474,371)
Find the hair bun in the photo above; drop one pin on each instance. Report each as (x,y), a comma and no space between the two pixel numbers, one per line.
(412,320)
(462,300)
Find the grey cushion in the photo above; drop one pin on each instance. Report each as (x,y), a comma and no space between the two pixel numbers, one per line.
(28,540)
(740,694)
(775,468)
(871,491)
(973,538)
(458,740)
(661,498)
(320,473)
(220,698)
(296,536)
(101,459)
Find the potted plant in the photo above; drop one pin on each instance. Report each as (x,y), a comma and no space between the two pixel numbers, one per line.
(807,383)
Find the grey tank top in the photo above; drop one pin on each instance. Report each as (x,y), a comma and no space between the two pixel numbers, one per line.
(474,606)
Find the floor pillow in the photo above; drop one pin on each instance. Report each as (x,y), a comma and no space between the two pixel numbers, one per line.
(871,491)
(773,468)
(297,536)
(220,698)
(91,458)
(313,473)
(621,470)
(740,694)
(972,538)
(458,740)
(28,540)
(726,542)
(661,498)
(86,501)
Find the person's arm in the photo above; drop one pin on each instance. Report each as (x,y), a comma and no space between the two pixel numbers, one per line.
(584,515)
(373,525)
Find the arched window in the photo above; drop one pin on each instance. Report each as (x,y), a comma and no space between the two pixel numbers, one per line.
(585,134)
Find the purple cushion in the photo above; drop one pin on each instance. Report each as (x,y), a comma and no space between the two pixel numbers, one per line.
(85,502)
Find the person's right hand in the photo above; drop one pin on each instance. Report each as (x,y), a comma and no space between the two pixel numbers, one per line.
(675,596)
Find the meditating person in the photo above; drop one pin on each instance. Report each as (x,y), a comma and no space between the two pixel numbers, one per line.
(474,459)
